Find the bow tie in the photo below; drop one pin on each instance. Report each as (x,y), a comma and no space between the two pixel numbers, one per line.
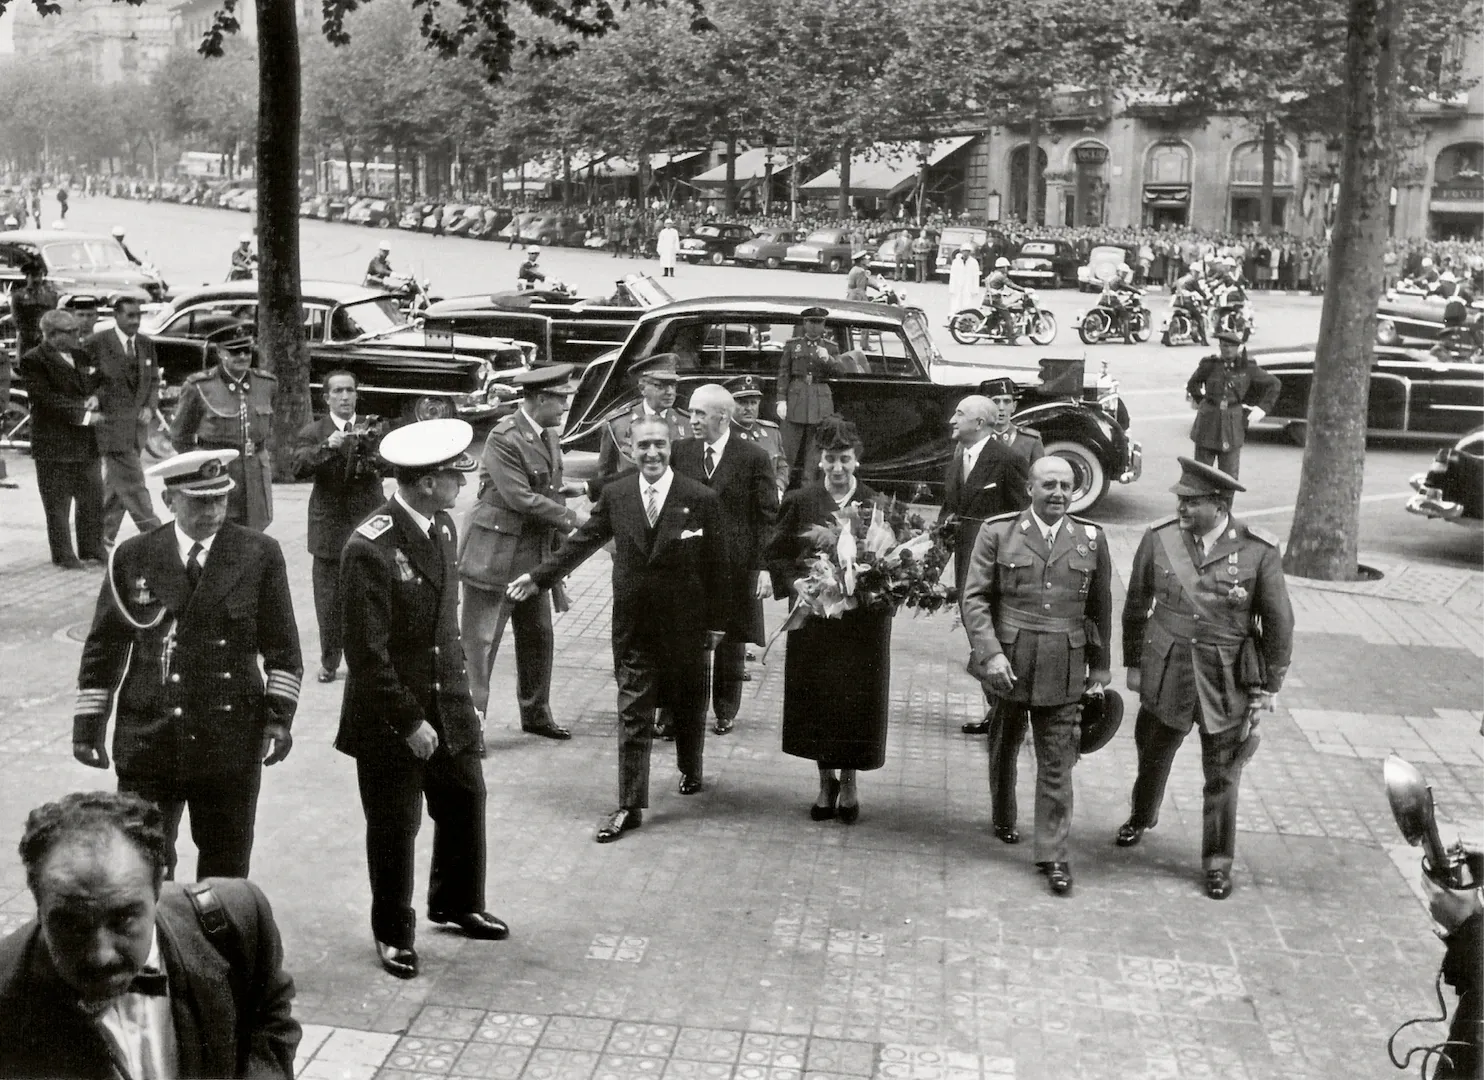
(152,983)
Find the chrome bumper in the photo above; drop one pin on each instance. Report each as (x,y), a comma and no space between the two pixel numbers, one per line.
(1135,462)
(1429,502)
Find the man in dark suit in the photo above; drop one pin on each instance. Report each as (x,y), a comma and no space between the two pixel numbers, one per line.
(742,476)
(338,451)
(669,605)
(64,409)
(407,717)
(185,613)
(521,516)
(984,479)
(128,385)
(123,975)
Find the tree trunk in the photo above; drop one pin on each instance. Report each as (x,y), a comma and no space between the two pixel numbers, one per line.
(280,322)
(397,172)
(1269,167)
(1326,526)
(350,180)
(1034,211)
(731,185)
(842,205)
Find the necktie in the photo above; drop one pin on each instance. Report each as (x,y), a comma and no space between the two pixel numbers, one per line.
(130,351)
(710,461)
(152,983)
(433,533)
(193,568)
(968,465)
(652,505)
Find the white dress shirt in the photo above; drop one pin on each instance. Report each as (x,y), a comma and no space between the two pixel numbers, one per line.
(343,425)
(421,522)
(184,544)
(660,487)
(971,455)
(717,448)
(1050,532)
(1208,540)
(126,339)
(143,1028)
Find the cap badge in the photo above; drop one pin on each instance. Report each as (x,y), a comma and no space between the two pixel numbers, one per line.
(210,470)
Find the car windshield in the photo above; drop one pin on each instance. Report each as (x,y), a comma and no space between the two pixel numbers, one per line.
(919,338)
(964,236)
(708,230)
(365,318)
(99,253)
(647,291)
(1108,254)
(1038,249)
(823,236)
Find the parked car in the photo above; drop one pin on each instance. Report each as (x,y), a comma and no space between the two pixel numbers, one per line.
(883,249)
(565,327)
(549,229)
(897,390)
(81,262)
(377,213)
(1412,393)
(1452,489)
(1044,264)
(514,226)
(310,206)
(494,219)
(766,248)
(1102,263)
(823,249)
(412,216)
(955,237)
(1404,317)
(713,243)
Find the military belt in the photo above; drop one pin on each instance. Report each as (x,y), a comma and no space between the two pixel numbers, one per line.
(1020,619)
(1195,631)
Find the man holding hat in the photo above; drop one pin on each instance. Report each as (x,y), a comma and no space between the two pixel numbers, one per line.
(1225,386)
(659,378)
(747,392)
(230,407)
(187,612)
(520,518)
(407,717)
(1212,653)
(859,278)
(803,394)
(1038,610)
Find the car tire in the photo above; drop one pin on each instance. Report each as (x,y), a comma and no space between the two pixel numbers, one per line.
(772,262)
(544,240)
(429,407)
(718,258)
(1387,333)
(1297,433)
(1090,479)
(384,223)
(836,265)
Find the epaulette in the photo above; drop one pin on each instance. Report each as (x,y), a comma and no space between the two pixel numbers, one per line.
(1173,519)
(200,376)
(373,527)
(1003,517)
(765,423)
(507,423)
(259,374)
(1089,527)
(1261,534)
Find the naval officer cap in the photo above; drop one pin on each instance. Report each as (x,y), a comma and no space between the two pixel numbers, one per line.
(1197,479)
(547,379)
(662,367)
(238,338)
(429,446)
(199,473)
(744,386)
(815,312)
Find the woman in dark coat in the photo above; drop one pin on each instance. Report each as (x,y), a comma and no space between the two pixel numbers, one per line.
(837,672)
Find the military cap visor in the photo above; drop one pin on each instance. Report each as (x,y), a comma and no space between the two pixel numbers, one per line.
(994,388)
(81,302)
(1197,480)
(198,473)
(429,446)
(743,386)
(815,312)
(548,379)
(662,367)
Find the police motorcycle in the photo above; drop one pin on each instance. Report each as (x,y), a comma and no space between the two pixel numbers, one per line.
(881,291)
(411,295)
(1188,321)
(1233,311)
(983,325)
(1101,323)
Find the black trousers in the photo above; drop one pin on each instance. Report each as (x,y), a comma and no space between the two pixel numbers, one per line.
(125,492)
(72,489)
(393,786)
(224,810)
(727,668)
(671,674)
(1156,743)
(326,577)
(1007,723)
(1228,461)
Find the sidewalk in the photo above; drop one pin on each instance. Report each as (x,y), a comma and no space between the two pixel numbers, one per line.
(732,939)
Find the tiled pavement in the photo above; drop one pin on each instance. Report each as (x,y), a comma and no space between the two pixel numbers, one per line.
(732,939)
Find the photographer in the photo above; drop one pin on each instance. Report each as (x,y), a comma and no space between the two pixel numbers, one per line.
(338,451)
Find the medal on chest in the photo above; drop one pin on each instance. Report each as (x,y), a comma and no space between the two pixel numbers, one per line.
(405,572)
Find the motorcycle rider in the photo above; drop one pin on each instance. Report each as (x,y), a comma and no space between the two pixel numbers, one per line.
(244,261)
(1230,297)
(1193,297)
(118,234)
(1120,296)
(528,275)
(998,289)
(380,267)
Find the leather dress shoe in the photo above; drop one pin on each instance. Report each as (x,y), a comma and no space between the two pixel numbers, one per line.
(1129,834)
(475,924)
(1007,834)
(326,675)
(1218,884)
(547,731)
(68,563)
(980,727)
(397,961)
(724,725)
(618,823)
(690,784)
(1058,876)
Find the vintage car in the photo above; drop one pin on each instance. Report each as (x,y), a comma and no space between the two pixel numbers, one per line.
(883,249)
(957,236)
(79,262)
(766,248)
(548,229)
(1102,264)
(566,328)
(1452,489)
(823,249)
(713,243)
(1412,393)
(1044,264)
(377,213)
(1404,316)
(896,388)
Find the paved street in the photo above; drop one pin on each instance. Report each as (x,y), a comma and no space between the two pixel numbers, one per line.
(733,939)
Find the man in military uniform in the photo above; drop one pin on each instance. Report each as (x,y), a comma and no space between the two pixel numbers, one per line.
(750,427)
(659,378)
(803,393)
(28,302)
(1023,441)
(230,407)
(520,518)
(1038,609)
(858,281)
(186,612)
(407,717)
(244,261)
(380,266)
(527,275)
(1226,385)
(1213,653)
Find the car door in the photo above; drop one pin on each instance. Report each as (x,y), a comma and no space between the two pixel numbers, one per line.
(181,344)
(1447,398)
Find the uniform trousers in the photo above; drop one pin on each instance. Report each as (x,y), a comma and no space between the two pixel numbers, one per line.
(801,450)
(124,491)
(224,810)
(666,673)
(393,786)
(1228,461)
(482,619)
(71,489)
(1156,743)
(325,575)
(1007,723)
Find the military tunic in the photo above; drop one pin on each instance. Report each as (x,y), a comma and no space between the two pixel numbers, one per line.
(804,371)
(767,435)
(613,450)
(1024,441)
(1219,389)
(216,412)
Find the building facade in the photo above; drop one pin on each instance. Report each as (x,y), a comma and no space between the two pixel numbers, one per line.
(100,40)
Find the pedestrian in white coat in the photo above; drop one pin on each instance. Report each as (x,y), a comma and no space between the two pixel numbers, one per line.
(963,281)
(668,245)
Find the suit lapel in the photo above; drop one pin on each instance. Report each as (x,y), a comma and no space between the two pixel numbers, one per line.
(224,566)
(420,550)
(954,481)
(164,572)
(1225,545)
(200,999)
(1065,541)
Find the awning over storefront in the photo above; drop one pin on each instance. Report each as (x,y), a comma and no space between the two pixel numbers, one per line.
(617,168)
(1472,207)
(887,169)
(535,176)
(752,167)
(1166,194)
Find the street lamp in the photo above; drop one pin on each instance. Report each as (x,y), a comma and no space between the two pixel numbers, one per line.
(924,151)
(767,180)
